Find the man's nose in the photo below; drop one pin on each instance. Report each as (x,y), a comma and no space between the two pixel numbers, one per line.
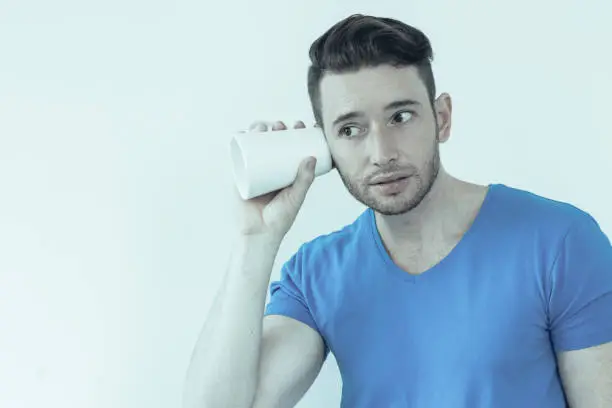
(383,147)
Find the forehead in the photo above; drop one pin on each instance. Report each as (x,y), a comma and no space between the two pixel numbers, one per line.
(369,89)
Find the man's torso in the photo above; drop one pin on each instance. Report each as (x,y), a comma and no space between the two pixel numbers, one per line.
(472,329)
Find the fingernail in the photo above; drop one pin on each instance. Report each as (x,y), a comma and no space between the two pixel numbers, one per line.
(311,163)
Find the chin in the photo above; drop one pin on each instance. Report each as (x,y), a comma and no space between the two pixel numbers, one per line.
(389,204)
(386,204)
(393,205)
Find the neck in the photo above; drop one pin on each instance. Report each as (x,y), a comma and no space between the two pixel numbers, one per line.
(444,214)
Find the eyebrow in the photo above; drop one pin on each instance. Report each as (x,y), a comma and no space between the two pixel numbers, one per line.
(393,105)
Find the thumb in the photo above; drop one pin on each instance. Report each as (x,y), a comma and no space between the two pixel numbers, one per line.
(303,180)
(306,173)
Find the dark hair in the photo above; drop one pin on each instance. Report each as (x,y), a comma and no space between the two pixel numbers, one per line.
(361,41)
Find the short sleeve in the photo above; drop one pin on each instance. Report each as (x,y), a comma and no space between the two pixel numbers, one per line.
(580,302)
(287,296)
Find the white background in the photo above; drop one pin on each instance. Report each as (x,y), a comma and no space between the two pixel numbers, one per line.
(114,121)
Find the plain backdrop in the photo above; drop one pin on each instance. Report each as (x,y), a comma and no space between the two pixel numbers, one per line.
(114,121)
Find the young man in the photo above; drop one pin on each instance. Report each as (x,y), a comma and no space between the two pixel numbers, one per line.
(441,294)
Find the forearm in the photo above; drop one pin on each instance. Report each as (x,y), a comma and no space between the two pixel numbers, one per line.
(224,365)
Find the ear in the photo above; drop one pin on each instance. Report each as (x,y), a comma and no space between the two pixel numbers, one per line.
(443,110)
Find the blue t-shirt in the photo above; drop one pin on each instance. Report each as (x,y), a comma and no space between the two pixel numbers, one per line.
(531,277)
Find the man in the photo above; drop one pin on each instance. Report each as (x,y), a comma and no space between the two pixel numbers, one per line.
(441,294)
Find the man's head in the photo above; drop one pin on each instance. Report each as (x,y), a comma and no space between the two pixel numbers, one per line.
(372,92)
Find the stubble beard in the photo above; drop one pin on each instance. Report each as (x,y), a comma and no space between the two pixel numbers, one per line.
(422,180)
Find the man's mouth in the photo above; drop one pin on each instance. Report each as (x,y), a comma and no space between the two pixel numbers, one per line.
(388,179)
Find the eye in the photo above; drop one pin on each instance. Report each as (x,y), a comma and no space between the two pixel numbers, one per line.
(402,117)
(346,131)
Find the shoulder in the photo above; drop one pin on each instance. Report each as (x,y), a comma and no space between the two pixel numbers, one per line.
(329,252)
(525,211)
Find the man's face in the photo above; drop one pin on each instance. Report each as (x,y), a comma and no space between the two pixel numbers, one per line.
(379,122)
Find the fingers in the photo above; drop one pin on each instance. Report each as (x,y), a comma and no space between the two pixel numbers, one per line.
(264,126)
(303,180)
(278,125)
(258,126)
(307,168)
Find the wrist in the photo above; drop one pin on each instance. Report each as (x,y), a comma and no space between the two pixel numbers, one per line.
(253,256)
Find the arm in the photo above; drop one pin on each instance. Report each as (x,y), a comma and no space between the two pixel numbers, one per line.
(580,315)
(225,368)
(292,354)
(587,376)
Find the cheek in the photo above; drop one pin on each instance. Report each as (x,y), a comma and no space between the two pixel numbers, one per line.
(343,157)
(418,142)
(350,162)
(349,170)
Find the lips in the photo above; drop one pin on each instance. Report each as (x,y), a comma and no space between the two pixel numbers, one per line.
(388,178)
